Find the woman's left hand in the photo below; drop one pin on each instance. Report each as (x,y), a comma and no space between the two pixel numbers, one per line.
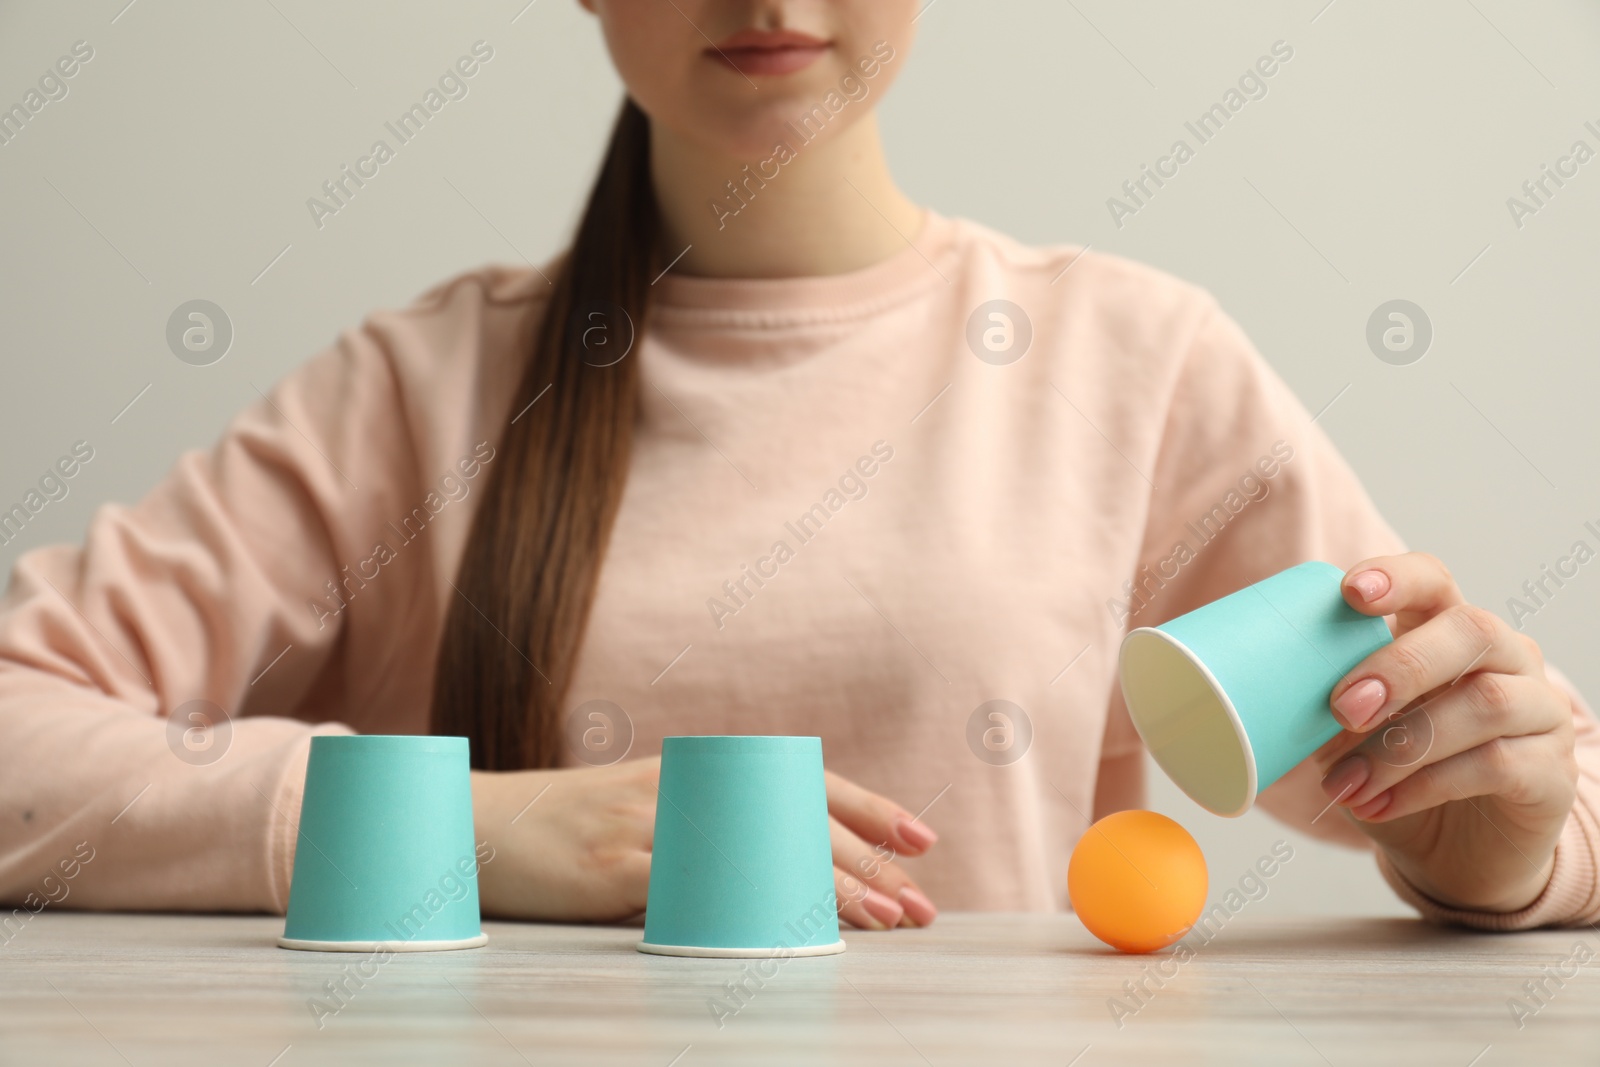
(1458,756)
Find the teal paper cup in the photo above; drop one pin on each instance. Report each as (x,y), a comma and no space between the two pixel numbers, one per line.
(386,856)
(1232,695)
(742,865)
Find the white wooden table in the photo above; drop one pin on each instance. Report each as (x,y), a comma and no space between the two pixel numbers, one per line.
(993,989)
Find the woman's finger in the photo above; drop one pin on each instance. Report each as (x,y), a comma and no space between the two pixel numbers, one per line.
(877,819)
(1478,710)
(862,906)
(1437,653)
(890,892)
(1413,587)
(1519,768)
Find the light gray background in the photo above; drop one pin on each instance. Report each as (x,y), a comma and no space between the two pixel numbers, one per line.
(179,165)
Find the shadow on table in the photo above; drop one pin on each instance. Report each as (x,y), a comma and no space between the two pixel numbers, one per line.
(1327,937)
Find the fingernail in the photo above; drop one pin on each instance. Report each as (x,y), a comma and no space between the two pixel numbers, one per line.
(1370,584)
(1361,702)
(1374,807)
(882,908)
(916,834)
(918,907)
(1346,779)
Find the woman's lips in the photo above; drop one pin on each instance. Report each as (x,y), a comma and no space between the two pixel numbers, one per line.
(768,51)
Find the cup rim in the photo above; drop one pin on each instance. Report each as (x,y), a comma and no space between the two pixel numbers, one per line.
(311,944)
(1240,734)
(713,952)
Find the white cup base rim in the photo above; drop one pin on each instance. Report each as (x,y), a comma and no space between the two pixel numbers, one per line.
(304,945)
(702,952)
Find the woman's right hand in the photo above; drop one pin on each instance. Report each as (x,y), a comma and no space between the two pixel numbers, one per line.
(580,852)
(573,845)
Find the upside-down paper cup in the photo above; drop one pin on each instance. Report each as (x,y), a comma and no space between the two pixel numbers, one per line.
(1232,695)
(386,856)
(742,864)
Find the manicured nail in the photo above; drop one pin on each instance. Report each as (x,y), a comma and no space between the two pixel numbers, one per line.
(882,909)
(1370,584)
(1374,807)
(916,834)
(919,909)
(1346,779)
(1361,702)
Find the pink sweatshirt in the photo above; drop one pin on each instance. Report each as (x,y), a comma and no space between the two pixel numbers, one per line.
(840,521)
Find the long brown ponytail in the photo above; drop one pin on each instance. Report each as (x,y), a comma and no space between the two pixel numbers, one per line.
(533,557)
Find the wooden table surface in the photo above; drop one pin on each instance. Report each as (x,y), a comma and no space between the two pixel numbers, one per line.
(1000,989)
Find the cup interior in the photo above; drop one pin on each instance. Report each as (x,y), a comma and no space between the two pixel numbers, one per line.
(1187,722)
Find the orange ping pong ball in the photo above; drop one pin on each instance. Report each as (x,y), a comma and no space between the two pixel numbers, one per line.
(1137,880)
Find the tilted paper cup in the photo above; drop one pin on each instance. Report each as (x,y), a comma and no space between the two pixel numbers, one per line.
(386,857)
(742,864)
(1232,695)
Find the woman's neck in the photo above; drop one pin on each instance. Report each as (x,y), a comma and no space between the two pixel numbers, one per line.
(826,207)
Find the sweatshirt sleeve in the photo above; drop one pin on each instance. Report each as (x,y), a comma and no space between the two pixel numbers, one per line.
(1245,484)
(200,596)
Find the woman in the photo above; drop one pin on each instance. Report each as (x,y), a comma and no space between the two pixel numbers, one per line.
(771,449)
